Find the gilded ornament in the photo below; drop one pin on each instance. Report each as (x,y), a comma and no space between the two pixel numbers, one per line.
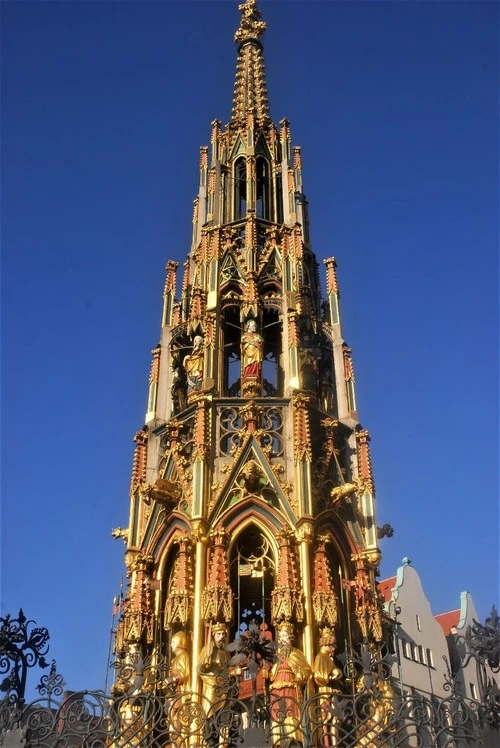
(120,532)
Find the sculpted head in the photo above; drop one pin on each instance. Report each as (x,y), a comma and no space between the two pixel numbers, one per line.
(179,641)
(219,634)
(285,634)
(251,325)
(327,640)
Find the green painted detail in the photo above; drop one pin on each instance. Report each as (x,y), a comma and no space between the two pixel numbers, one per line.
(334,309)
(242,484)
(213,275)
(238,148)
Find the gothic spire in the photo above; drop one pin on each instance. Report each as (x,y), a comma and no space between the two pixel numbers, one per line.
(250,90)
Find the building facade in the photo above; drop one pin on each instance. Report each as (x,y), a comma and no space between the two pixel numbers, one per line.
(252,494)
(433,652)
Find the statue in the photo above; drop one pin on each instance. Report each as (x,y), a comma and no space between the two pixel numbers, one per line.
(326,673)
(178,686)
(308,368)
(252,350)
(217,677)
(180,668)
(326,388)
(179,386)
(326,676)
(380,716)
(193,365)
(287,680)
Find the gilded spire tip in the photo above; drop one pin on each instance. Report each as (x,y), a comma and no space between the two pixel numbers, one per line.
(251,27)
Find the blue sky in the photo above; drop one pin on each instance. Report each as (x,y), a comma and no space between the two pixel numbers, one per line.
(104,107)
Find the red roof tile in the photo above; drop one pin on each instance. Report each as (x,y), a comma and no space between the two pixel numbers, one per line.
(385,587)
(448,620)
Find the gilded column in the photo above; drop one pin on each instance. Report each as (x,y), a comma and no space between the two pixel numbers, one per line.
(200,538)
(304,537)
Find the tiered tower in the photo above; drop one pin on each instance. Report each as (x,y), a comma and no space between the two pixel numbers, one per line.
(252,494)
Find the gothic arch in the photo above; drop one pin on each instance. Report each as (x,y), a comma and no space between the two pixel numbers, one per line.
(252,511)
(166,535)
(252,561)
(240,182)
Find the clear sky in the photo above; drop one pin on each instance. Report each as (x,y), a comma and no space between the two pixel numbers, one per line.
(104,107)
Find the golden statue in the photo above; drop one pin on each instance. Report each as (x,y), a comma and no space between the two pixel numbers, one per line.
(193,365)
(327,675)
(373,731)
(213,668)
(214,671)
(252,350)
(178,687)
(287,680)
(180,667)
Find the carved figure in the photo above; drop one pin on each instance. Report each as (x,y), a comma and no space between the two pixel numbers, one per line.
(213,665)
(252,350)
(214,671)
(327,387)
(179,386)
(193,364)
(180,667)
(326,673)
(326,676)
(178,686)
(308,368)
(287,679)
(380,714)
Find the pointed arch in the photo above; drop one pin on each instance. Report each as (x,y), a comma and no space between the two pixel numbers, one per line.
(252,558)
(240,188)
(163,537)
(229,269)
(238,148)
(263,198)
(272,365)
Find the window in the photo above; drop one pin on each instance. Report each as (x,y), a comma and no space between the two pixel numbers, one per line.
(419,625)
(421,658)
(406,649)
(430,660)
(263,184)
(240,188)
(473,691)
(279,200)
(272,374)
(231,352)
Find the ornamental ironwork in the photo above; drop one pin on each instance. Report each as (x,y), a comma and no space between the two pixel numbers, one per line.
(22,645)
(144,707)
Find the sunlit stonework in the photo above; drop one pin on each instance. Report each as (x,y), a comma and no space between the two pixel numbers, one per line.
(252,494)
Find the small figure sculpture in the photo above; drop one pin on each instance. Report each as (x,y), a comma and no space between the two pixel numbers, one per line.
(214,671)
(380,717)
(193,364)
(288,677)
(326,387)
(213,667)
(179,386)
(326,676)
(180,668)
(178,686)
(252,347)
(326,673)
(308,368)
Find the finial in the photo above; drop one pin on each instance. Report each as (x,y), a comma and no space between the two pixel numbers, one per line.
(251,27)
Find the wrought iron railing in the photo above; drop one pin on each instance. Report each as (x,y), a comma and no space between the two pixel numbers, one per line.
(144,709)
